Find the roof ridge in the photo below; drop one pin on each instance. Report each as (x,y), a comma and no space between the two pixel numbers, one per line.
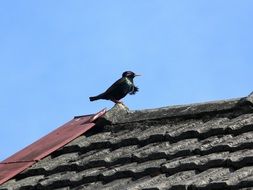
(120,114)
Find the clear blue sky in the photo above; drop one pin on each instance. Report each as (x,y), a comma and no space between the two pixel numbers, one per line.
(55,54)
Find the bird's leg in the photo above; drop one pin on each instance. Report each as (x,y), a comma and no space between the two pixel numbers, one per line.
(117,101)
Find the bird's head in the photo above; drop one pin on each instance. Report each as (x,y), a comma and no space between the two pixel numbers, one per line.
(129,74)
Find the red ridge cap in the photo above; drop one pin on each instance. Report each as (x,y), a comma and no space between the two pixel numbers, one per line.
(96,116)
(46,145)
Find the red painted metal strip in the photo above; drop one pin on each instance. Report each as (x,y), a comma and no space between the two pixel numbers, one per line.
(96,116)
(52,141)
(46,145)
(7,171)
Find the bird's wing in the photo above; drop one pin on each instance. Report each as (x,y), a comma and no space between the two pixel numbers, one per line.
(115,86)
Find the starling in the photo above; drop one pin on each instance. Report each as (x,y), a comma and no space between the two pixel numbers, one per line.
(119,89)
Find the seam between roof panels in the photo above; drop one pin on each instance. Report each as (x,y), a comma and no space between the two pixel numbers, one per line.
(23,161)
(92,116)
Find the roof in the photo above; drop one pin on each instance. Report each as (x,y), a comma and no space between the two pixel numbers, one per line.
(198,146)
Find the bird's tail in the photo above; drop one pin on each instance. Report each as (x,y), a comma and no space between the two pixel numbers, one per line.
(93,98)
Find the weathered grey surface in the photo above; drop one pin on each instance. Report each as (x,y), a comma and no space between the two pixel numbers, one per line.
(198,146)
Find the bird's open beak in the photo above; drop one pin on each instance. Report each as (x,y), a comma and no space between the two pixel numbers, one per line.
(136,75)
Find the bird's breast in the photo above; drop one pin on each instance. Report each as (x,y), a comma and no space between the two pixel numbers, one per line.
(129,82)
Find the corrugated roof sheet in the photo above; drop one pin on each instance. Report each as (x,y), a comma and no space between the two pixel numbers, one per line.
(46,145)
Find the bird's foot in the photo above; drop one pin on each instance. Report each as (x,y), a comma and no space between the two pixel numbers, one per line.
(120,105)
(117,101)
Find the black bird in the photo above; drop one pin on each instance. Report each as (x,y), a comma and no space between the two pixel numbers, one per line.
(119,89)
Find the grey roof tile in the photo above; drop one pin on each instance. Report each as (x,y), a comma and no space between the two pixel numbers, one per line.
(147,182)
(247,182)
(197,162)
(236,177)
(207,177)
(28,182)
(241,158)
(120,155)
(170,181)
(90,186)
(50,163)
(118,184)
(240,122)
(57,180)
